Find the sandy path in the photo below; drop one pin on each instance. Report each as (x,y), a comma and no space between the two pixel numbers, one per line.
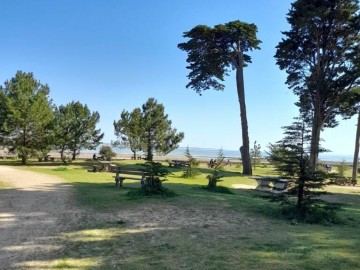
(33,212)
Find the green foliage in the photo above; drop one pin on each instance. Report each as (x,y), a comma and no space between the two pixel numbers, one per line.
(107,152)
(75,129)
(158,135)
(152,185)
(25,115)
(324,214)
(255,154)
(290,158)
(128,131)
(323,36)
(193,164)
(213,51)
(342,168)
(147,129)
(216,176)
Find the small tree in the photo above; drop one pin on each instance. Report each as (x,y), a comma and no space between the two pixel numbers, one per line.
(192,169)
(290,157)
(255,154)
(215,176)
(155,175)
(157,134)
(128,131)
(107,152)
(342,168)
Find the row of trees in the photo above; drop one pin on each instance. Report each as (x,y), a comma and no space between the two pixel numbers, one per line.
(31,125)
(320,54)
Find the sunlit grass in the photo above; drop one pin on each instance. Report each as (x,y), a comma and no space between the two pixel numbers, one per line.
(198,229)
(4,185)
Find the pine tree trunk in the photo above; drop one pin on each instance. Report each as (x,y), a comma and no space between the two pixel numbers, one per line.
(315,141)
(245,152)
(62,155)
(356,151)
(302,177)
(74,155)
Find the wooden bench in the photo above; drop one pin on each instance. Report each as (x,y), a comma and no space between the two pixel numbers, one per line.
(121,175)
(103,166)
(178,163)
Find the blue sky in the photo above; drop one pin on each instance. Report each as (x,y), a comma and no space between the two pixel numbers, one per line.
(115,54)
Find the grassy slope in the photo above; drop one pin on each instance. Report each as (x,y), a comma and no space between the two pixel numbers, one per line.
(199,229)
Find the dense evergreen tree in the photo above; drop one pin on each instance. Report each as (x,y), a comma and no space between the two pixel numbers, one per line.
(75,129)
(158,135)
(291,158)
(212,52)
(192,168)
(128,131)
(147,129)
(25,115)
(319,54)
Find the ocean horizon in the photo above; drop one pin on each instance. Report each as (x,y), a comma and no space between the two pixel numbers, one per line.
(209,153)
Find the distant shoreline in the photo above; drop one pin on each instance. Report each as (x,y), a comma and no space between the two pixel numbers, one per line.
(87,154)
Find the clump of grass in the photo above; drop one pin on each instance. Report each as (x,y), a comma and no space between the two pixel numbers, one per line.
(148,191)
(60,169)
(219,189)
(326,214)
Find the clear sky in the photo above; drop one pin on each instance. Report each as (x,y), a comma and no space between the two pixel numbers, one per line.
(115,54)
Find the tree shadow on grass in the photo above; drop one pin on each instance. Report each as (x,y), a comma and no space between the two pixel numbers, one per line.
(225,231)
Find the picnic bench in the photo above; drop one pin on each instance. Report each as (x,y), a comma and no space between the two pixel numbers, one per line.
(122,174)
(102,166)
(49,158)
(178,163)
(272,184)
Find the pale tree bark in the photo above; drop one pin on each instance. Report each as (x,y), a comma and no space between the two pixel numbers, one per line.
(245,149)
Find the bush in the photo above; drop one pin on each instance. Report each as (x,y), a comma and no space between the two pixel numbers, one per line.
(152,185)
(106,152)
(342,168)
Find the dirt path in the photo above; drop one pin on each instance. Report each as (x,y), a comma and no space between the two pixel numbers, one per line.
(34,211)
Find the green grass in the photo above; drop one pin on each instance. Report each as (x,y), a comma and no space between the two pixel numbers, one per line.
(198,229)
(4,185)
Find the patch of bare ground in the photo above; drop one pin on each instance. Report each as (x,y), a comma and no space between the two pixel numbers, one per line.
(42,227)
(34,210)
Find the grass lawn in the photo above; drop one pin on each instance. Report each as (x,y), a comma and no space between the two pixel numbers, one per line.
(198,229)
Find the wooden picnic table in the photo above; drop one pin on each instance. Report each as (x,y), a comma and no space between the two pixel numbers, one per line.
(102,166)
(177,163)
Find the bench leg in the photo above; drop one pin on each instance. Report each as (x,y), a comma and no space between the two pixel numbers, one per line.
(116,181)
(119,181)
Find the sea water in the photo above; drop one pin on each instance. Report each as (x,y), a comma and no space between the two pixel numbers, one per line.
(209,153)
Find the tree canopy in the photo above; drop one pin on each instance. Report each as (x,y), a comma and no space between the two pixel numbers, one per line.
(147,129)
(320,54)
(76,129)
(25,115)
(128,131)
(213,51)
